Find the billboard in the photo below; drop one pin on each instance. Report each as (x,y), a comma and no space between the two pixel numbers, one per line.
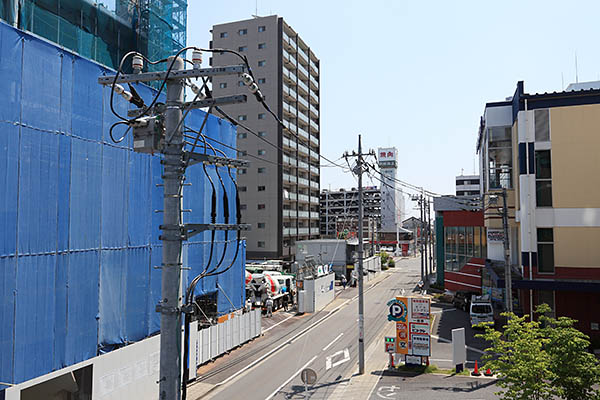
(387,154)
(413,326)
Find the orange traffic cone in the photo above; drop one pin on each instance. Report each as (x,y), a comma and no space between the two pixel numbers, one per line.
(488,372)
(476,371)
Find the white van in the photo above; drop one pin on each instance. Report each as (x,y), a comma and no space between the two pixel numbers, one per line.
(481,310)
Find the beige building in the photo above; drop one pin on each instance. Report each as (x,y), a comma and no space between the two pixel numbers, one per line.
(543,148)
(280,189)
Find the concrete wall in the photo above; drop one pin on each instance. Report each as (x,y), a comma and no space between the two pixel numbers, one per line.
(327,251)
(317,293)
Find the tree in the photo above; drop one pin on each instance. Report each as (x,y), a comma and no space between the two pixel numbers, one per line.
(541,359)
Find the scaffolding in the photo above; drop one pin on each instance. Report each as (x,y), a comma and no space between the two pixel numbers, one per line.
(104,31)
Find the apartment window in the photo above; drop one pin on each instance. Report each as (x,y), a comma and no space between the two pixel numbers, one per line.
(262,63)
(242,188)
(261,116)
(262,170)
(500,157)
(240,83)
(261,225)
(242,48)
(261,152)
(243,32)
(262,206)
(223,85)
(243,206)
(242,153)
(545,250)
(262,134)
(261,188)
(242,171)
(542,125)
(262,46)
(262,28)
(262,80)
(242,117)
(223,34)
(242,135)
(543,179)
(260,244)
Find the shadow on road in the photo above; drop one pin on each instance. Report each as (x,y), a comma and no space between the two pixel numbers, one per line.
(472,386)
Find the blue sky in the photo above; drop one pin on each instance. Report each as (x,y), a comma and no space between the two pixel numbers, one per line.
(416,75)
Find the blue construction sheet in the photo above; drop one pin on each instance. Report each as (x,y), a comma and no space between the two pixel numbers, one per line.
(79,239)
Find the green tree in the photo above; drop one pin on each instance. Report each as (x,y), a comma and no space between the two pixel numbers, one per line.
(384,257)
(575,370)
(541,359)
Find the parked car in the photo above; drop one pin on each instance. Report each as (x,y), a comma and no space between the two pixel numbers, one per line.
(481,310)
(462,300)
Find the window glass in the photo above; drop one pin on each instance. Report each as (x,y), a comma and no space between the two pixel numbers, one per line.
(223,34)
(543,193)
(470,241)
(262,28)
(461,239)
(449,242)
(242,48)
(261,206)
(261,188)
(542,125)
(223,85)
(243,32)
(477,242)
(262,80)
(242,117)
(261,116)
(261,225)
(261,244)
(242,188)
(483,243)
(242,135)
(261,170)
(261,152)
(240,83)
(262,45)
(262,134)
(262,63)
(542,164)
(500,157)
(545,250)
(545,235)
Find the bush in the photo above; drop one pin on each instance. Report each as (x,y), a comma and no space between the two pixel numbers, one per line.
(392,263)
(384,257)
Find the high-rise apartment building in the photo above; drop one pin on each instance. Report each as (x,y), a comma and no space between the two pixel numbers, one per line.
(280,189)
(468,185)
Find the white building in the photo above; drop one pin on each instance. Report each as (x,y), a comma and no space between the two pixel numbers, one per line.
(468,185)
(392,198)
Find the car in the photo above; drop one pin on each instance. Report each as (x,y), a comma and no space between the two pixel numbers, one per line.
(481,311)
(462,300)
(387,248)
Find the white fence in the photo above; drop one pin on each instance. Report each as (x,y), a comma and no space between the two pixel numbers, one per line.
(209,343)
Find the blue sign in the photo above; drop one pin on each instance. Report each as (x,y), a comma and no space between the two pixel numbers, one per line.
(398,310)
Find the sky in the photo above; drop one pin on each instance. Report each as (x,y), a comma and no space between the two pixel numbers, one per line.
(416,75)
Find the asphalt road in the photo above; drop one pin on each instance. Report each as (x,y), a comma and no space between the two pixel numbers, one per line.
(326,342)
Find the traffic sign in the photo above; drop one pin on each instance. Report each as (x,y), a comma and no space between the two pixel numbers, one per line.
(308,376)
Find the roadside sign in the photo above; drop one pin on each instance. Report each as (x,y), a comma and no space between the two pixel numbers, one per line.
(413,327)
(308,376)
(390,344)
(413,360)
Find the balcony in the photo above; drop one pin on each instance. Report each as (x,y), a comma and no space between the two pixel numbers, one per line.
(303,149)
(289,178)
(303,133)
(303,101)
(313,67)
(290,77)
(290,144)
(315,230)
(290,109)
(289,231)
(303,214)
(290,125)
(303,231)
(314,99)
(302,117)
(289,213)
(314,215)
(303,182)
(314,185)
(289,60)
(314,140)
(286,39)
(314,155)
(303,55)
(314,200)
(303,197)
(291,196)
(314,84)
(303,89)
(314,126)
(302,72)
(314,170)
(314,112)
(302,164)
(290,93)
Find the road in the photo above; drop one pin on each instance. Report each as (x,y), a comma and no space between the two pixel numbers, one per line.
(326,342)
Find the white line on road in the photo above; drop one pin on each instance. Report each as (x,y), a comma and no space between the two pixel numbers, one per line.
(280,322)
(333,341)
(444,310)
(329,359)
(290,378)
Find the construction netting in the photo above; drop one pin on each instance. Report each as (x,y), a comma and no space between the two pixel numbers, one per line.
(79,247)
(104,31)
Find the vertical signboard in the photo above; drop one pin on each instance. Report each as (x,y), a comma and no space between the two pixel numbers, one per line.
(413,327)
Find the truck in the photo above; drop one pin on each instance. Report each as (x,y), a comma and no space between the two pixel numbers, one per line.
(278,286)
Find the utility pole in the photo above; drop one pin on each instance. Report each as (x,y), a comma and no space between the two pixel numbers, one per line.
(430,237)
(507,269)
(358,170)
(170,317)
(421,240)
(159,130)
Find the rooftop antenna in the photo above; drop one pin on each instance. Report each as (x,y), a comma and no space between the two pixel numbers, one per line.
(562,79)
(462,171)
(576,70)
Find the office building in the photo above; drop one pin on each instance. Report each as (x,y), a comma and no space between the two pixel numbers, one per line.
(280,190)
(339,210)
(468,185)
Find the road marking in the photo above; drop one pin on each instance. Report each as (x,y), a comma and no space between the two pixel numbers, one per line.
(290,378)
(444,310)
(333,341)
(329,359)
(450,341)
(391,392)
(280,322)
